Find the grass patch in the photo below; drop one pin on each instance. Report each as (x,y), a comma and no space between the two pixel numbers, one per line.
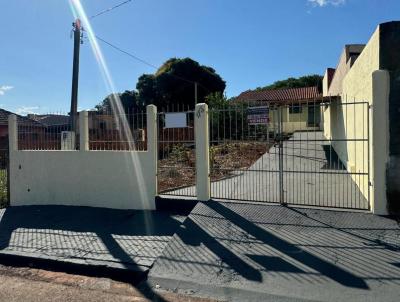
(3,189)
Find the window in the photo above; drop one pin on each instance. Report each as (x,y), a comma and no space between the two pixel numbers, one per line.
(295,109)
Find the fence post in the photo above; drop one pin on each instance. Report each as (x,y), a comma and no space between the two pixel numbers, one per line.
(379,142)
(83,131)
(151,112)
(12,132)
(202,152)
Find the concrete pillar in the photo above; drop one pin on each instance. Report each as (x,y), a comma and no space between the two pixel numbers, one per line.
(379,140)
(83,131)
(152,139)
(202,152)
(12,132)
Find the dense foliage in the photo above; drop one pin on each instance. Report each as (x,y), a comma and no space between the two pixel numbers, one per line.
(129,102)
(171,86)
(304,81)
(174,83)
(217,100)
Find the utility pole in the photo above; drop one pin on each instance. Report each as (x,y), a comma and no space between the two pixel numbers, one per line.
(75,73)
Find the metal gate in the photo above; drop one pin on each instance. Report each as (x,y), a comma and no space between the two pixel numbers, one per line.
(176,173)
(300,153)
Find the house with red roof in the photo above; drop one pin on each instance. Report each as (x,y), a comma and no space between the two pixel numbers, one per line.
(34,129)
(300,108)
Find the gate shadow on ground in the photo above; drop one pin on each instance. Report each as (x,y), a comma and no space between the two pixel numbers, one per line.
(103,236)
(353,233)
(195,235)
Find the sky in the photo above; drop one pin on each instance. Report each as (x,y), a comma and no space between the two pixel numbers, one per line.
(250,43)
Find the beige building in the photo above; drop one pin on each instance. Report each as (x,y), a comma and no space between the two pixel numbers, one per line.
(367,81)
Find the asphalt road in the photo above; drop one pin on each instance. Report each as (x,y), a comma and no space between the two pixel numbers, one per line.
(33,285)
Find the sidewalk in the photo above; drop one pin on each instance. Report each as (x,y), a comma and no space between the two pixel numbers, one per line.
(84,236)
(254,252)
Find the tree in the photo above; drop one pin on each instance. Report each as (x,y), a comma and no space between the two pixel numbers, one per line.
(216,100)
(129,102)
(147,90)
(304,81)
(226,117)
(173,84)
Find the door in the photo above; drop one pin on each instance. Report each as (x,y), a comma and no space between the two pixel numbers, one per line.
(313,116)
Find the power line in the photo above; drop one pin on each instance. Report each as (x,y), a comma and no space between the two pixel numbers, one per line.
(145,62)
(127,53)
(110,9)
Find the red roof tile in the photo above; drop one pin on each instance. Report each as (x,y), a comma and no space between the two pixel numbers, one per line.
(21,120)
(280,95)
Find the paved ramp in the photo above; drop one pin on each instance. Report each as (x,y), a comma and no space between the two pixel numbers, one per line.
(256,252)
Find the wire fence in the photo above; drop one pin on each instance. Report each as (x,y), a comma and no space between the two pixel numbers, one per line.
(108,131)
(118,132)
(303,153)
(44,132)
(176,152)
(240,134)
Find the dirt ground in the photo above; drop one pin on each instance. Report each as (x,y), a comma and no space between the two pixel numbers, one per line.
(31,285)
(177,169)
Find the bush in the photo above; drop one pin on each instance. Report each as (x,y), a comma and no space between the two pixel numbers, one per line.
(179,153)
(3,189)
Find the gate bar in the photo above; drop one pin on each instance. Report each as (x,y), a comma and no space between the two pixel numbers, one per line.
(280,138)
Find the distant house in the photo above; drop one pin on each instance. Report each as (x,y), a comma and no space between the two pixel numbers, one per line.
(101,126)
(53,122)
(300,106)
(34,129)
(57,123)
(105,130)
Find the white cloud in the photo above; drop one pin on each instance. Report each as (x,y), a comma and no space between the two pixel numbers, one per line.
(322,3)
(24,110)
(5,88)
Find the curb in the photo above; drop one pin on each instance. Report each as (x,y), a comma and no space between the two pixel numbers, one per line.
(116,271)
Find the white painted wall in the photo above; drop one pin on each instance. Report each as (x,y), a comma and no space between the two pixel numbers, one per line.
(82,178)
(111,179)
